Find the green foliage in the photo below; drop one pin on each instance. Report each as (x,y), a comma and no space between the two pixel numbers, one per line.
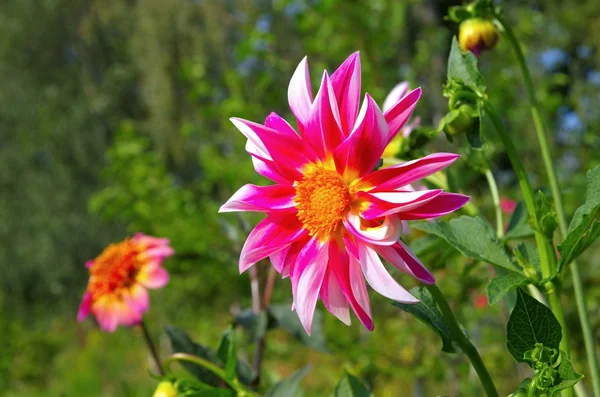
(462,69)
(567,376)
(459,233)
(530,323)
(427,311)
(350,386)
(546,214)
(503,284)
(289,387)
(285,318)
(584,229)
(226,352)
(518,225)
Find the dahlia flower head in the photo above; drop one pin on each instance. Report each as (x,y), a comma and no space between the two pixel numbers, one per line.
(330,216)
(117,291)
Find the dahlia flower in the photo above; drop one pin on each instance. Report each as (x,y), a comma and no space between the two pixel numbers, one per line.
(392,149)
(330,215)
(119,278)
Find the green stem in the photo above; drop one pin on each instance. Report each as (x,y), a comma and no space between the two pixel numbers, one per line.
(209,366)
(496,200)
(151,347)
(544,244)
(558,203)
(464,343)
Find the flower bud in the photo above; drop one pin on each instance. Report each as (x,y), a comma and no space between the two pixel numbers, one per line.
(460,120)
(476,35)
(165,389)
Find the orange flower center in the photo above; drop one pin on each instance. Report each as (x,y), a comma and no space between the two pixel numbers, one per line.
(323,199)
(115,268)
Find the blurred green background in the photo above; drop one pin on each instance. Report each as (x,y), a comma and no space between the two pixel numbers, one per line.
(114,119)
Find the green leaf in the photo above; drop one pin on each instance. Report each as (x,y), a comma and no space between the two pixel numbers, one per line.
(531,322)
(473,237)
(427,311)
(518,225)
(289,387)
(501,285)
(255,324)
(528,258)
(226,353)
(568,377)
(350,386)
(584,229)
(462,67)
(546,214)
(181,343)
(288,320)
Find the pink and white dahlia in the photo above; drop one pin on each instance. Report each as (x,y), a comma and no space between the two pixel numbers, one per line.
(117,291)
(330,215)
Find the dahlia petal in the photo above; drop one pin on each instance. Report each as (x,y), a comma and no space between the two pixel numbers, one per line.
(150,241)
(279,124)
(272,234)
(278,258)
(382,204)
(322,130)
(397,115)
(400,256)
(153,277)
(399,175)
(359,290)
(269,169)
(89,264)
(308,287)
(385,234)
(339,263)
(397,93)
(159,252)
(378,277)
(84,307)
(106,314)
(346,86)
(287,151)
(137,298)
(262,199)
(361,151)
(333,298)
(306,255)
(300,93)
(127,315)
(443,204)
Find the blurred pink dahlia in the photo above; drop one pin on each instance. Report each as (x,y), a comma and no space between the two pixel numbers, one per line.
(330,216)
(119,278)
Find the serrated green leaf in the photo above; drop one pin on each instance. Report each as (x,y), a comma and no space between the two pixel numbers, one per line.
(531,322)
(518,225)
(227,353)
(288,320)
(289,387)
(427,311)
(462,67)
(501,285)
(182,343)
(584,229)
(568,377)
(473,237)
(350,386)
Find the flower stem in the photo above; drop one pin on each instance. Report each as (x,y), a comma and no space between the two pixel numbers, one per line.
(464,343)
(496,200)
(151,347)
(555,188)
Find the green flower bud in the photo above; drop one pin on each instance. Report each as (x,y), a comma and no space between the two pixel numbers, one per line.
(477,35)
(165,389)
(460,120)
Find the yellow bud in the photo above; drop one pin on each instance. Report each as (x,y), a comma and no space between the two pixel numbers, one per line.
(476,35)
(165,389)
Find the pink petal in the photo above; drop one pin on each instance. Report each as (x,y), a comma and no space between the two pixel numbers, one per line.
(361,151)
(400,256)
(127,315)
(107,314)
(333,298)
(443,204)
(397,176)
(85,306)
(89,264)
(300,93)
(382,204)
(386,233)
(378,277)
(339,263)
(272,234)
(150,241)
(346,86)
(277,123)
(398,115)
(322,130)
(159,252)
(262,199)
(308,286)
(137,298)
(269,169)
(288,152)
(397,93)
(285,260)
(153,277)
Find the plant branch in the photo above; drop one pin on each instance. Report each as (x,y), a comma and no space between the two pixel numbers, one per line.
(151,347)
